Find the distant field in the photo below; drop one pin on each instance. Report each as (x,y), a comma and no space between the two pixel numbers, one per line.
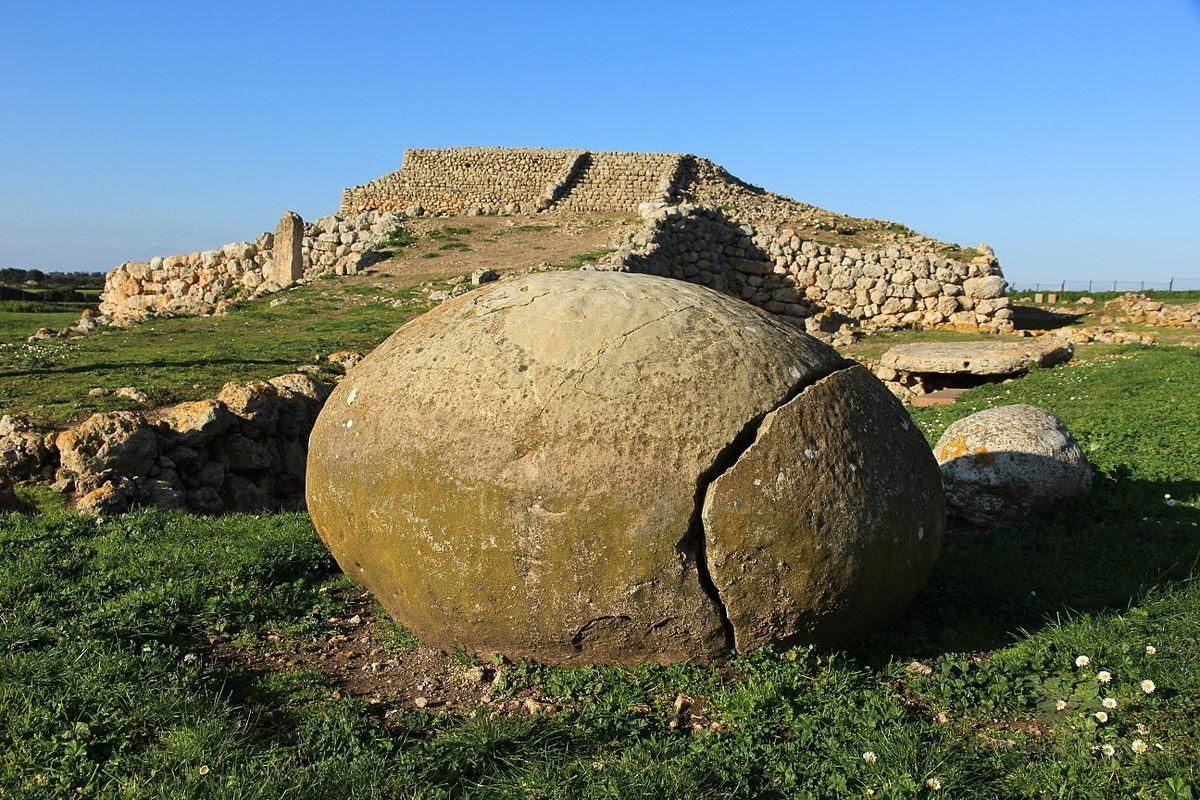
(1102,297)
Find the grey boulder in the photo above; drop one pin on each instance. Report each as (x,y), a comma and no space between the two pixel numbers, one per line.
(1010,462)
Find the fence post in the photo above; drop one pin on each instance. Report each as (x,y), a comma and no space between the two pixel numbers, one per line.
(1089,287)
(1143,287)
(1114,286)
(1171,285)
(1063,288)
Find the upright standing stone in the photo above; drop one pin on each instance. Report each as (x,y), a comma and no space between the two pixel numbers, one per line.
(287,261)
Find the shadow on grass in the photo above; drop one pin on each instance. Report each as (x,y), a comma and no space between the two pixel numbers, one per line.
(158,364)
(1101,554)
(1033,318)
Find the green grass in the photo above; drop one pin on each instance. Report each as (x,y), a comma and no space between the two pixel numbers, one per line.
(447,233)
(17,323)
(98,699)
(189,358)
(398,237)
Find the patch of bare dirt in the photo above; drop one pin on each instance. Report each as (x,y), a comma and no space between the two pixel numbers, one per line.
(498,243)
(364,659)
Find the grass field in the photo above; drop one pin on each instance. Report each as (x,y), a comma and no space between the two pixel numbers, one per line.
(109,686)
(20,318)
(1181,296)
(188,358)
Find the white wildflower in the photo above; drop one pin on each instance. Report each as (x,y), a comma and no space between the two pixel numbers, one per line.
(1148,686)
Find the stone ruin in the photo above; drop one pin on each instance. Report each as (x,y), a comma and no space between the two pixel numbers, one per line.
(699,224)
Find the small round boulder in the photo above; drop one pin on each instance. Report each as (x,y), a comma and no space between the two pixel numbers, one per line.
(1004,464)
(588,467)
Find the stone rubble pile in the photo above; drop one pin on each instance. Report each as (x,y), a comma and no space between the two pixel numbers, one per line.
(243,451)
(1140,309)
(1098,334)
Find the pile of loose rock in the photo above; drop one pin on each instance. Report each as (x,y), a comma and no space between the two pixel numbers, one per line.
(1141,309)
(243,451)
(1100,334)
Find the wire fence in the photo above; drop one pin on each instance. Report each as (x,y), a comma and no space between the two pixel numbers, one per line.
(1172,285)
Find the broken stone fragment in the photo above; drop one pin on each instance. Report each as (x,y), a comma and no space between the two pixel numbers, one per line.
(523,471)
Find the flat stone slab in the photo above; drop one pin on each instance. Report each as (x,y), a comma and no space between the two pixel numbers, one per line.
(977,358)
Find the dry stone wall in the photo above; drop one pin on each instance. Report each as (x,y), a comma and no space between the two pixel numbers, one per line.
(812,284)
(456,180)
(206,282)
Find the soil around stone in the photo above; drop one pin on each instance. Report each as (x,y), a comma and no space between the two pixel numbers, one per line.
(362,660)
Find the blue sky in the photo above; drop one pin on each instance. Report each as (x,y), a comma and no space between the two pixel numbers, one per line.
(1064,134)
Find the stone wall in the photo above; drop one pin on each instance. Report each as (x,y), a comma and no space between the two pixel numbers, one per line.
(206,282)
(621,181)
(808,283)
(456,180)
(494,180)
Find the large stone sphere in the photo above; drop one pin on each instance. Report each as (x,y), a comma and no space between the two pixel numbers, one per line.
(1006,463)
(598,467)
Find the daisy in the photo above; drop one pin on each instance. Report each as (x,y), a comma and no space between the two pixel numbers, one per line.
(1082,661)
(1060,704)
(1148,686)
(203,770)
(1108,750)
(870,757)
(1101,717)
(1109,702)
(1138,746)
(1151,649)
(1104,676)
(934,783)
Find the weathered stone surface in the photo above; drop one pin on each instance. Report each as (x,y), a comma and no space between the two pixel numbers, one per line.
(987,287)
(830,523)
(24,451)
(196,422)
(104,445)
(1005,463)
(287,256)
(976,358)
(505,488)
